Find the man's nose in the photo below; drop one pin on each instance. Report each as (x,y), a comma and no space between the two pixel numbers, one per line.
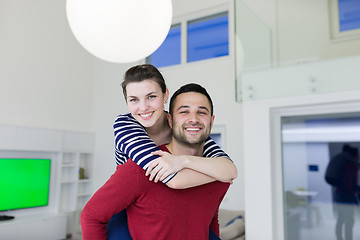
(193,118)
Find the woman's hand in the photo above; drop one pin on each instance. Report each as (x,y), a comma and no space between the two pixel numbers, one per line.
(163,166)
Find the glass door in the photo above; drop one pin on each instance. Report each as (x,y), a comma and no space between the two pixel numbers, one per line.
(320,183)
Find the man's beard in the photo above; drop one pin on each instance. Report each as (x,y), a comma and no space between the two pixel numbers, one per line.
(181,137)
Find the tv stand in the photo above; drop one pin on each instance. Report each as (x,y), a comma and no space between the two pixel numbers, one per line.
(39,227)
(6,217)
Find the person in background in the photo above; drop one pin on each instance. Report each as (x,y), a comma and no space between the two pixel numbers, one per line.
(345,195)
(156,211)
(335,168)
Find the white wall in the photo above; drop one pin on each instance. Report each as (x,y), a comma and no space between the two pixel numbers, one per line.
(298,37)
(213,74)
(297,156)
(48,81)
(262,160)
(295,163)
(45,76)
(218,77)
(318,154)
(108,102)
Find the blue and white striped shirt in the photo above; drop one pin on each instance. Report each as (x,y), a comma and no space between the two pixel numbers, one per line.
(132,141)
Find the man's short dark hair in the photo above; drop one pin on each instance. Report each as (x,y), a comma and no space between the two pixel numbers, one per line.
(353,151)
(191,87)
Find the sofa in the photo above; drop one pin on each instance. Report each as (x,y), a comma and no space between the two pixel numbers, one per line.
(232,224)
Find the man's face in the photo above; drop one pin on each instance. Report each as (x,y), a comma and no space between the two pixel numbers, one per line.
(192,120)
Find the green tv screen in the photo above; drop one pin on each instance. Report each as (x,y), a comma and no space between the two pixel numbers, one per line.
(24,183)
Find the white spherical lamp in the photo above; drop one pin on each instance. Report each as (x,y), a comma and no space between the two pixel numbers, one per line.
(120,31)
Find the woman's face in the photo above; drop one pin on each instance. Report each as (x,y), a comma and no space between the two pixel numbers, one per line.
(146,101)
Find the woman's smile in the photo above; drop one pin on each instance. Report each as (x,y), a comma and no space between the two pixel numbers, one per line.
(146,116)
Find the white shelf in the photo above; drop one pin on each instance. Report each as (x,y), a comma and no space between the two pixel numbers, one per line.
(70,152)
(68,182)
(85,180)
(84,194)
(69,165)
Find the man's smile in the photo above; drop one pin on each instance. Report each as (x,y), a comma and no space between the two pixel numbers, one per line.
(193,129)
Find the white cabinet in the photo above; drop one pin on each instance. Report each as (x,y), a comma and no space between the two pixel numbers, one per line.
(76,176)
(76,180)
(76,187)
(71,184)
(35,227)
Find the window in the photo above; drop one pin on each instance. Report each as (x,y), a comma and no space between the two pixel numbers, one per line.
(349,15)
(169,52)
(208,37)
(345,18)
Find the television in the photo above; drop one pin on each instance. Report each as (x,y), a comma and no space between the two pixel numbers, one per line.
(24,183)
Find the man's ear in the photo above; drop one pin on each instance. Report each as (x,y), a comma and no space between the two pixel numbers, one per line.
(212,120)
(169,120)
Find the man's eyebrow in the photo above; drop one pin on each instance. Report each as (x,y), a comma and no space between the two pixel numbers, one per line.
(205,108)
(187,106)
(182,106)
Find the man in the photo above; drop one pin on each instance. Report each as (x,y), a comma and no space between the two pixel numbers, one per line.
(335,168)
(345,195)
(154,210)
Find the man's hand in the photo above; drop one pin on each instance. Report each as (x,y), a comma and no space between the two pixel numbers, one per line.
(163,166)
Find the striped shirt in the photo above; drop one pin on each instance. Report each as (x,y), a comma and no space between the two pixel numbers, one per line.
(132,141)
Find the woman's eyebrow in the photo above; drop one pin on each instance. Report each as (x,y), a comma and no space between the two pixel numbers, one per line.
(151,93)
(131,97)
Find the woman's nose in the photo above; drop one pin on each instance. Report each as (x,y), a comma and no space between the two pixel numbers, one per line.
(142,105)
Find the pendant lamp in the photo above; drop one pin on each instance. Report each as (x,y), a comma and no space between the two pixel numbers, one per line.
(120,31)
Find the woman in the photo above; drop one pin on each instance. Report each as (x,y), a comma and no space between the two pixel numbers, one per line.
(138,133)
